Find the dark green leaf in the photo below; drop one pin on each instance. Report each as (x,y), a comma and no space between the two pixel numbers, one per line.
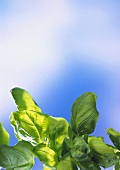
(84,114)
(71,133)
(30,126)
(80,150)
(85,138)
(46,155)
(115,137)
(24,100)
(102,154)
(89,164)
(16,157)
(4,135)
(117,166)
(67,164)
(66,146)
(24,144)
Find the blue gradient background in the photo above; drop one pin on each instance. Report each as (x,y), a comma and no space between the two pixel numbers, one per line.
(57,50)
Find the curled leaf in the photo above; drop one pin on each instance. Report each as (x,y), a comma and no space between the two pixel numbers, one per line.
(4,135)
(115,137)
(80,150)
(84,114)
(102,154)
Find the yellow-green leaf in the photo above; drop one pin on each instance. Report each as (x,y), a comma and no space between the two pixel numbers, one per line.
(4,135)
(58,130)
(46,155)
(30,126)
(23,100)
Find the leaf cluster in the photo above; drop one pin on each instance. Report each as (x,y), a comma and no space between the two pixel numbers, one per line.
(59,145)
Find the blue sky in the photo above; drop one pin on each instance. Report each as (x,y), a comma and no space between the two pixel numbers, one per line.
(57,50)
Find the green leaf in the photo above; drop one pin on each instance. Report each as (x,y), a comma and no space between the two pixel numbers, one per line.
(71,133)
(94,137)
(117,166)
(24,100)
(115,137)
(89,164)
(4,135)
(30,126)
(48,168)
(102,154)
(80,150)
(66,146)
(16,157)
(67,164)
(46,155)
(24,144)
(58,131)
(84,114)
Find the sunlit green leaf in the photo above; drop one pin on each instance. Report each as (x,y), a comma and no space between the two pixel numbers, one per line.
(49,168)
(24,100)
(30,126)
(102,154)
(80,150)
(16,157)
(94,137)
(58,130)
(84,114)
(46,155)
(115,137)
(46,168)
(67,164)
(4,135)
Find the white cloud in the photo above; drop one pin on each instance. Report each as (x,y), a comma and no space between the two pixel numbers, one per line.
(35,38)
(94,37)
(28,48)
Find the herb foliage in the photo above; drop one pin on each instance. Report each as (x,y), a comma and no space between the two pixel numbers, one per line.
(59,145)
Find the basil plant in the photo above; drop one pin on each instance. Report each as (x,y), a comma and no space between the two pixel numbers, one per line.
(57,143)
